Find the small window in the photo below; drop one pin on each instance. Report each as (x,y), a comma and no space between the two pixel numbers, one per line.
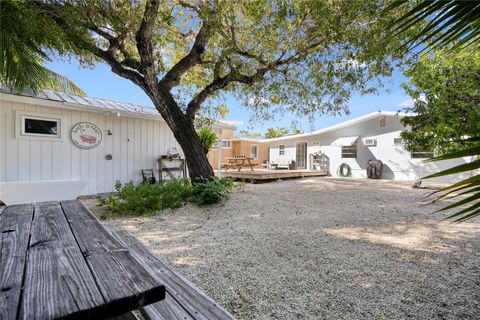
(254,151)
(281,150)
(349,151)
(40,126)
(398,142)
(422,154)
(215,144)
(227,144)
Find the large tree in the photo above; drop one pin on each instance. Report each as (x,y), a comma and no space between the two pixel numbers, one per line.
(445,90)
(298,56)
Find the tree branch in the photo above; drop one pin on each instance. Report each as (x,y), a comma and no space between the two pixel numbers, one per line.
(144,40)
(194,57)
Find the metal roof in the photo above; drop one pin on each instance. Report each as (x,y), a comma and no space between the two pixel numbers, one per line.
(89,102)
(84,102)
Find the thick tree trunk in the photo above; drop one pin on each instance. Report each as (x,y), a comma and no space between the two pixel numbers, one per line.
(184,131)
(197,161)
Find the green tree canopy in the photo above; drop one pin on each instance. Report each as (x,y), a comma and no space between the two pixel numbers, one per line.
(299,56)
(445,88)
(23,39)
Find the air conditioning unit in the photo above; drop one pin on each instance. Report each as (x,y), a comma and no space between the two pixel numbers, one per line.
(369,141)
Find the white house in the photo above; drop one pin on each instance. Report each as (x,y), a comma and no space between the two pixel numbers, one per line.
(56,146)
(375,136)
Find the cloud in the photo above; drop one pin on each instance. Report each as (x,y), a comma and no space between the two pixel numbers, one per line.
(407,103)
(410,102)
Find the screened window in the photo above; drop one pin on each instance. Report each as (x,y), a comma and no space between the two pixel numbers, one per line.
(227,144)
(349,151)
(422,154)
(254,151)
(39,126)
(281,150)
(421,151)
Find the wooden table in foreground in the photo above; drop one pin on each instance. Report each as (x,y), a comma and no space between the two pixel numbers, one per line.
(58,261)
(239,162)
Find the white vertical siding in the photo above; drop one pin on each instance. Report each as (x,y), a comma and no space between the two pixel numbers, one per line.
(135,144)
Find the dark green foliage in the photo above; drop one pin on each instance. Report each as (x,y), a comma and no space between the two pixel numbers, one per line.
(211,191)
(148,198)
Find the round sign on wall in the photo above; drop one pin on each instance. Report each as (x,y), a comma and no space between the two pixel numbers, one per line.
(86,135)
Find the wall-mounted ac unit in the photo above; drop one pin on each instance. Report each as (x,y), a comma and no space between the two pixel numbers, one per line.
(369,141)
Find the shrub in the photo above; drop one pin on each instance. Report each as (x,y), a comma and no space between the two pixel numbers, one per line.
(147,198)
(211,191)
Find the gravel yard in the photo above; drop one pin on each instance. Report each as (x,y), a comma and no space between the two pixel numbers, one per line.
(322,249)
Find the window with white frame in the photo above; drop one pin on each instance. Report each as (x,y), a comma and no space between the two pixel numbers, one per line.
(398,141)
(281,150)
(349,151)
(254,151)
(226,144)
(32,125)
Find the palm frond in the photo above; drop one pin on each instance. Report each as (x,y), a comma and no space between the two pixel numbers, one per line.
(467,189)
(454,24)
(21,57)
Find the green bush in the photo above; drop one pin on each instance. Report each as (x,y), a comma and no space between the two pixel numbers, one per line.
(147,198)
(211,191)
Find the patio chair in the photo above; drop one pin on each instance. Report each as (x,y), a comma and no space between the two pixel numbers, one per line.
(148,176)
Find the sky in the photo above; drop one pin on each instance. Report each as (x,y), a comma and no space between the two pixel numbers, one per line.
(101,82)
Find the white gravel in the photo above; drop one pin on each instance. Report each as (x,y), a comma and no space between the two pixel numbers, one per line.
(322,249)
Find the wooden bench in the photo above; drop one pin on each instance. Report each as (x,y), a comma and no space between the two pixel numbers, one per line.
(183,299)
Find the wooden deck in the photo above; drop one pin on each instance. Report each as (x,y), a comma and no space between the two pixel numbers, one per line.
(269,175)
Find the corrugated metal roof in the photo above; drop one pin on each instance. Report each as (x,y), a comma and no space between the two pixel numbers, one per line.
(73,99)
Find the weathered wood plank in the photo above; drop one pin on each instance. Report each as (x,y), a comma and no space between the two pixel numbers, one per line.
(91,235)
(58,281)
(196,303)
(166,310)
(15,223)
(133,315)
(122,280)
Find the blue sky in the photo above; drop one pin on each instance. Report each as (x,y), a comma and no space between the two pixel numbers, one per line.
(101,82)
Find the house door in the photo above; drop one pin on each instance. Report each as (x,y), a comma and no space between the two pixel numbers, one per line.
(301,155)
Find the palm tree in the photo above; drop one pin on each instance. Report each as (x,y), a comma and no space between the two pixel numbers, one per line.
(455,25)
(21,56)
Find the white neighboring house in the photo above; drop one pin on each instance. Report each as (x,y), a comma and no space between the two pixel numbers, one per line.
(56,146)
(374,136)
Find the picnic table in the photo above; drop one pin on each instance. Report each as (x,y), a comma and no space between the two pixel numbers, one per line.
(238,162)
(58,261)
